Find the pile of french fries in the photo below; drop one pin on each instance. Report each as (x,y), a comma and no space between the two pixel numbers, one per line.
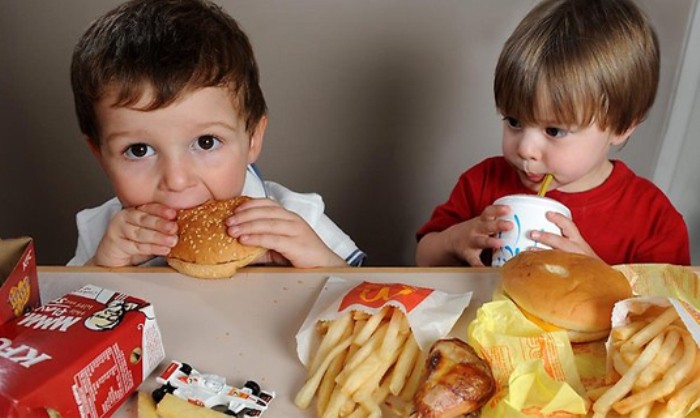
(361,360)
(656,366)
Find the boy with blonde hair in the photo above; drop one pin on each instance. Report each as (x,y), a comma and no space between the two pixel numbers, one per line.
(574,80)
(167,95)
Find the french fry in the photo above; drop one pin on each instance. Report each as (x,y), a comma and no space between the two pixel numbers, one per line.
(603,405)
(682,399)
(411,386)
(671,379)
(305,395)
(404,365)
(658,363)
(335,403)
(650,331)
(359,324)
(623,333)
(643,411)
(369,328)
(359,359)
(661,361)
(325,389)
(364,352)
(334,334)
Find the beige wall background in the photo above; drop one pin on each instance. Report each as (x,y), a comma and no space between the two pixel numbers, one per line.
(377,105)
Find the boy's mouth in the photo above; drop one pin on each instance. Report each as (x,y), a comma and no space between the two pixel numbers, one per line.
(535,178)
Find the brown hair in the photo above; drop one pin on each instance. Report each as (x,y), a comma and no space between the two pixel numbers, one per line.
(589,60)
(171,46)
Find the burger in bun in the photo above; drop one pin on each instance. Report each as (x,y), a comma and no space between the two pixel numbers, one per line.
(204,249)
(558,290)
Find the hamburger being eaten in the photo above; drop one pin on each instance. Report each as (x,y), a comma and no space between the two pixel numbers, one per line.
(558,290)
(204,249)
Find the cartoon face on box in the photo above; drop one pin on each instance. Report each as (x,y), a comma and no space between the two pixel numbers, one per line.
(80,355)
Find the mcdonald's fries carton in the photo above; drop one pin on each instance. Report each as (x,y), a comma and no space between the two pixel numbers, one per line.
(431,313)
(80,355)
(19,288)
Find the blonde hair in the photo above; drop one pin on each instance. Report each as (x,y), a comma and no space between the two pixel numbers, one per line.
(590,61)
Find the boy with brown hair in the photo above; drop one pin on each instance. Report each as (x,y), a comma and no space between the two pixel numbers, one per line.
(573,80)
(167,95)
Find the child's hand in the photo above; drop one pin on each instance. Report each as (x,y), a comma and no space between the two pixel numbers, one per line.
(135,235)
(289,239)
(571,239)
(470,238)
(464,241)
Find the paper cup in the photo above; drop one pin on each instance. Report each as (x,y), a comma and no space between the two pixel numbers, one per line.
(527,214)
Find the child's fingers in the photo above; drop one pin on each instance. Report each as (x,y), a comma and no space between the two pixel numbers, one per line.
(141,248)
(159,210)
(142,235)
(140,219)
(256,203)
(494,211)
(268,226)
(263,213)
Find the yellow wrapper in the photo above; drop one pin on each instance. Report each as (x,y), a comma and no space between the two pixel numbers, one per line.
(531,391)
(663,280)
(510,343)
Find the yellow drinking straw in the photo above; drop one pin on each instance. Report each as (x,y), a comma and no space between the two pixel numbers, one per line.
(545,184)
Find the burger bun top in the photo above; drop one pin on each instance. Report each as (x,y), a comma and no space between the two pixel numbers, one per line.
(570,291)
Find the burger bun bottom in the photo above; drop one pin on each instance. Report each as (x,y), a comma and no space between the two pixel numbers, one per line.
(586,337)
(213,271)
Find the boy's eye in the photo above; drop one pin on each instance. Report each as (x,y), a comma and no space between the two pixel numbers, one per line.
(512,122)
(207,142)
(555,132)
(137,151)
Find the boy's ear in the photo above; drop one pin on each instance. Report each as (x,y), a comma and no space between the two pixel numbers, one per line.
(623,137)
(94,148)
(256,140)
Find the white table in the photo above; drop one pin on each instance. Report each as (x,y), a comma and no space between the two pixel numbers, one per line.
(244,328)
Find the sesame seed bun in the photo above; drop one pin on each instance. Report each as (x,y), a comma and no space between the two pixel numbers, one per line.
(561,290)
(204,249)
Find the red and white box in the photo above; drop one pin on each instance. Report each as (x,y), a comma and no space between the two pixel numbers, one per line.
(80,355)
(19,286)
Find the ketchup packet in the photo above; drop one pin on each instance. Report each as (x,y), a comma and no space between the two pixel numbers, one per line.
(431,313)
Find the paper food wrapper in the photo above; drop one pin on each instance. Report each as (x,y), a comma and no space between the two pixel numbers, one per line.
(431,313)
(535,370)
(539,373)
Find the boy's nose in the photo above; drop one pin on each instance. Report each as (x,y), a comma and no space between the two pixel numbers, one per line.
(177,175)
(529,147)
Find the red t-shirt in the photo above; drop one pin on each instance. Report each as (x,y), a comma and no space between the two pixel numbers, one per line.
(627,219)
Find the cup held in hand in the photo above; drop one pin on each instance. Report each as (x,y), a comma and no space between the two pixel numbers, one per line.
(527,214)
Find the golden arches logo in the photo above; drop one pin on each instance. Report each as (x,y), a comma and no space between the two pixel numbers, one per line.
(384,293)
(375,295)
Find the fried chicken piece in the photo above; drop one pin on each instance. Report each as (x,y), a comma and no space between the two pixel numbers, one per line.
(458,382)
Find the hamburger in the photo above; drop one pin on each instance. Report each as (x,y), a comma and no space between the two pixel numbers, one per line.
(558,290)
(204,249)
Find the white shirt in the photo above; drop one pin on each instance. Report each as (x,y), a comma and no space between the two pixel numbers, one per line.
(92,223)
